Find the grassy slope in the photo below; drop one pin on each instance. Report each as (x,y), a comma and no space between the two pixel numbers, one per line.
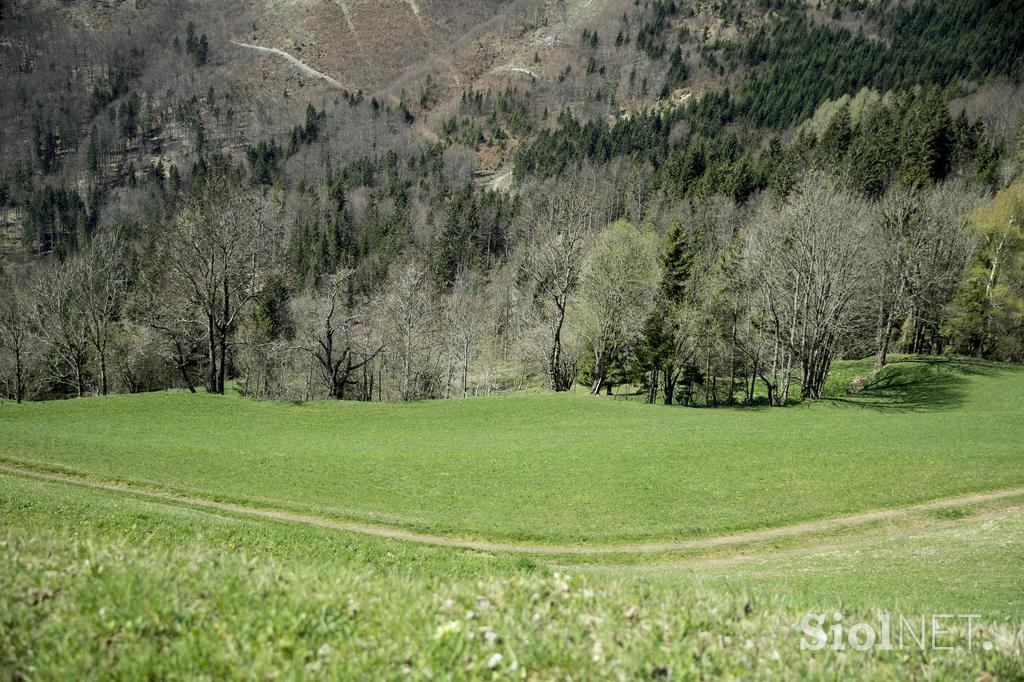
(554,467)
(972,567)
(98,584)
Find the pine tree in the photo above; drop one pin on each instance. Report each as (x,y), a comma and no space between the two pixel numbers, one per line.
(836,138)
(677,263)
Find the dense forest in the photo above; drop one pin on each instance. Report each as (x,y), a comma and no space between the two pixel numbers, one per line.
(700,218)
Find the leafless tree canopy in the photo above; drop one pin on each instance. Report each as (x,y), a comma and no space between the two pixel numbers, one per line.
(560,227)
(805,256)
(217,251)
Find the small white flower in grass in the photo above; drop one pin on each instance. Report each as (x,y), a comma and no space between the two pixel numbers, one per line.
(482,604)
(494,661)
(447,604)
(491,636)
(470,615)
(597,652)
(324,651)
(448,628)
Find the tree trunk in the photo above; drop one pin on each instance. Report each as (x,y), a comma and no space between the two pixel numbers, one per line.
(882,341)
(181,367)
(782,395)
(212,348)
(883,345)
(80,379)
(18,388)
(732,360)
(668,385)
(652,388)
(103,372)
(465,370)
(751,388)
(555,357)
(815,372)
(222,370)
(994,269)
(598,375)
(707,378)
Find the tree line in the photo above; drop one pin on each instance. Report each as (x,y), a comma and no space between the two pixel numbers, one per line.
(686,253)
(731,303)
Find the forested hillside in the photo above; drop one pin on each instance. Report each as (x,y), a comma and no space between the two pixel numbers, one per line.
(701,203)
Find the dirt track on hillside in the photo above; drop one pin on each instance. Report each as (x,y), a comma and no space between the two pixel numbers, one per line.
(519,548)
(294,61)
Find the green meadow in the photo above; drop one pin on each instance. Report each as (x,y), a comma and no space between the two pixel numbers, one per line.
(110,583)
(553,468)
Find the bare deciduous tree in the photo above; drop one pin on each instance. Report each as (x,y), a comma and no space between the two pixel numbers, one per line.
(465,322)
(62,323)
(560,228)
(805,255)
(216,251)
(16,329)
(408,309)
(324,330)
(946,248)
(102,288)
(919,249)
(170,314)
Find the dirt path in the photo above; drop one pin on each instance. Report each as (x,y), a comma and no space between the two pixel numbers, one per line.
(297,63)
(518,548)
(815,549)
(351,26)
(508,68)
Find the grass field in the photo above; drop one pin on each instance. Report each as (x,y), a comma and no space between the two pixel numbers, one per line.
(96,585)
(98,582)
(552,468)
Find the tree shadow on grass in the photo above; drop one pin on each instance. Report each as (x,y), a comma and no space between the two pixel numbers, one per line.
(919,384)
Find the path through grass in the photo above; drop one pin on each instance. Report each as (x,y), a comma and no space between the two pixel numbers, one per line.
(100,585)
(553,468)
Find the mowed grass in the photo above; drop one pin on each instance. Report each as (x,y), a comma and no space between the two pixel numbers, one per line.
(96,584)
(555,468)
